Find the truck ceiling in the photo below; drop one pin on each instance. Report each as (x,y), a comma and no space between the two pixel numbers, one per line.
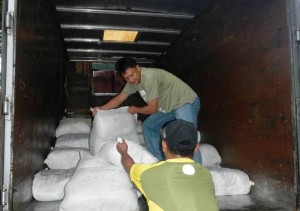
(158,24)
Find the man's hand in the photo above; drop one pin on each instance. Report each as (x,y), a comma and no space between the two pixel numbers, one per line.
(122,147)
(94,110)
(132,110)
(126,159)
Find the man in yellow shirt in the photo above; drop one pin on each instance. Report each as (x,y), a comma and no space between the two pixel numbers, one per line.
(177,184)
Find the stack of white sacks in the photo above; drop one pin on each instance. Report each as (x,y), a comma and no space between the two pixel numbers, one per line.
(85,171)
(72,137)
(226,181)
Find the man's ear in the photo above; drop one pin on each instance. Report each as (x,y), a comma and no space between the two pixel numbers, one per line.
(164,146)
(138,67)
(196,148)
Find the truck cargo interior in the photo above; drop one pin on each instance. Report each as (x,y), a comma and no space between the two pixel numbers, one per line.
(240,56)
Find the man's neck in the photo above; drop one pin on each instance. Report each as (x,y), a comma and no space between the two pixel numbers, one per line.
(176,156)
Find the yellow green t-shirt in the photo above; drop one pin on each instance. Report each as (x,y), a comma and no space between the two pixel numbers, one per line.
(171,91)
(175,185)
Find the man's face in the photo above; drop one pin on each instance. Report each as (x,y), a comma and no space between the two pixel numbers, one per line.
(133,75)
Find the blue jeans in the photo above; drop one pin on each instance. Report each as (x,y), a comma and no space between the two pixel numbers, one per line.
(153,124)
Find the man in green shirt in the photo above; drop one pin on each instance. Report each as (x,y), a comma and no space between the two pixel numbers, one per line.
(178,183)
(167,97)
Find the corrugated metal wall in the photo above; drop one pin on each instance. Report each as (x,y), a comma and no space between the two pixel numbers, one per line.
(236,57)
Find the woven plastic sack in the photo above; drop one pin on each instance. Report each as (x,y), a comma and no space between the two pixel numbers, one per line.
(74,140)
(230,181)
(210,156)
(99,186)
(138,153)
(73,125)
(64,158)
(110,124)
(48,185)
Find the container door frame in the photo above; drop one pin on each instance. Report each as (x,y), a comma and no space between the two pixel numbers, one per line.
(8,75)
(293,10)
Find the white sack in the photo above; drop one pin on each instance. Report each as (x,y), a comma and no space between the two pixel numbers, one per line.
(139,126)
(139,130)
(141,139)
(73,125)
(63,158)
(48,185)
(75,140)
(98,186)
(230,181)
(110,124)
(45,206)
(138,153)
(210,156)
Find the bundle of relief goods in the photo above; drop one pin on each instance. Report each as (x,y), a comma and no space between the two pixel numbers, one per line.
(48,185)
(139,130)
(64,158)
(139,154)
(110,124)
(73,125)
(226,181)
(44,206)
(210,155)
(74,140)
(97,185)
(229,181)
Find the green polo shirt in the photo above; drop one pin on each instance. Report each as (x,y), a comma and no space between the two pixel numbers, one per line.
(175,185)
(170,91)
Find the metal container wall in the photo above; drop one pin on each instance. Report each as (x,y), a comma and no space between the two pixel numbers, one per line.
(38,93)
(237,58)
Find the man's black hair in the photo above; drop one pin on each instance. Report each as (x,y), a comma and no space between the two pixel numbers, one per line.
(182,152)
(124,63)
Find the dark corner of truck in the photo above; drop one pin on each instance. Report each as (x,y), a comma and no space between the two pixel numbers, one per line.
(240,56)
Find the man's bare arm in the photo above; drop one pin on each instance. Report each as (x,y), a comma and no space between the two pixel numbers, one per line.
(150,108)
(126,159)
